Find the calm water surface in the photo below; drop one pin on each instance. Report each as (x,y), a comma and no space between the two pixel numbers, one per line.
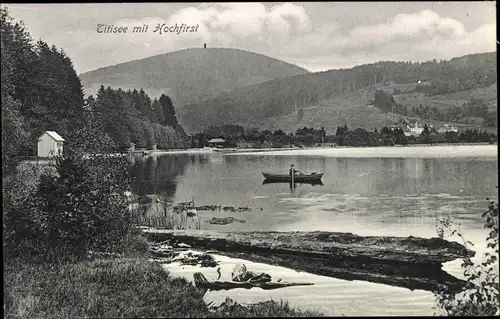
(397,196)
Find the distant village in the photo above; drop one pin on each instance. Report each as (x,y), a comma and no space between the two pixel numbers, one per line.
(414,129)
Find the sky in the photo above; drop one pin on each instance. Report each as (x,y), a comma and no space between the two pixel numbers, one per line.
(317,36)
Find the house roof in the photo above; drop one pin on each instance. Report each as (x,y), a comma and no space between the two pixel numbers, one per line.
(216,140)
(54,135)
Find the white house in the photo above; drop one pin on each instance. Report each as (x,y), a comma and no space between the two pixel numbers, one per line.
(50,144)
(447,128)
(413,130)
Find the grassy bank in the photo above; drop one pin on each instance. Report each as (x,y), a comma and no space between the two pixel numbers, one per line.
(109,288)
(112,288)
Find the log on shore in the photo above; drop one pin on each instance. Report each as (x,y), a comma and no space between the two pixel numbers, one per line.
(409,262)
(202,283)
(408,250)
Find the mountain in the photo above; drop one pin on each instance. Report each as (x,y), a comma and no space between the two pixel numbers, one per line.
(190,75)
(330,90)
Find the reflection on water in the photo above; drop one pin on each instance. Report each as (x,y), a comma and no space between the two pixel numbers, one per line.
(293,186)
(155,181)
(157,174)
(365,196)
(386,190)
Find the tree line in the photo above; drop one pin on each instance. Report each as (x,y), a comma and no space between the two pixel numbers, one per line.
(236,135)
(133,117)
(42,91)
(460,114)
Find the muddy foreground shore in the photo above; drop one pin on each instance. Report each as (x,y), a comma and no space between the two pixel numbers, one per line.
(409,262)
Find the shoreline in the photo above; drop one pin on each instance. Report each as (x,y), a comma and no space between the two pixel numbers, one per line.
(317,297)
(404,262)
(274,149)
(253,295)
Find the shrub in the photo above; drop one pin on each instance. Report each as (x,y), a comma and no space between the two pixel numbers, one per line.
(24,226)
(480,296)
(134,244)
(78,203)
(85,205)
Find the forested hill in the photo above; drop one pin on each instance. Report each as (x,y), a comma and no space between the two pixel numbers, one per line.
(190,75)
(289,95)
(41,91)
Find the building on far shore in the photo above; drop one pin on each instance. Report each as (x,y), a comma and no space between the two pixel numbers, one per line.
(408,129)
(400,125)
(217,142)
(413,130)
(447,128)
(50,144)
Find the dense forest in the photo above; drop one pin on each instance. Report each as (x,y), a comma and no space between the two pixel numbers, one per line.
(284,96)
(472,108)
(236,135)
(41,91)
(132,117)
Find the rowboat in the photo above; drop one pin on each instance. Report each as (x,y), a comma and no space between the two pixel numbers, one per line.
(313,182)
(297,177)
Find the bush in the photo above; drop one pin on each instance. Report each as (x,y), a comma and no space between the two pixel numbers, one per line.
(480,296)
(24,225)
(75,204)
(86,204)
(388,140)
(134,244)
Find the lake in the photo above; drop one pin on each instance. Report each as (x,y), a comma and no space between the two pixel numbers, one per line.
(394,191)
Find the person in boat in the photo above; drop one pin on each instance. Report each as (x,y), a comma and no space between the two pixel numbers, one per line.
(295,172)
